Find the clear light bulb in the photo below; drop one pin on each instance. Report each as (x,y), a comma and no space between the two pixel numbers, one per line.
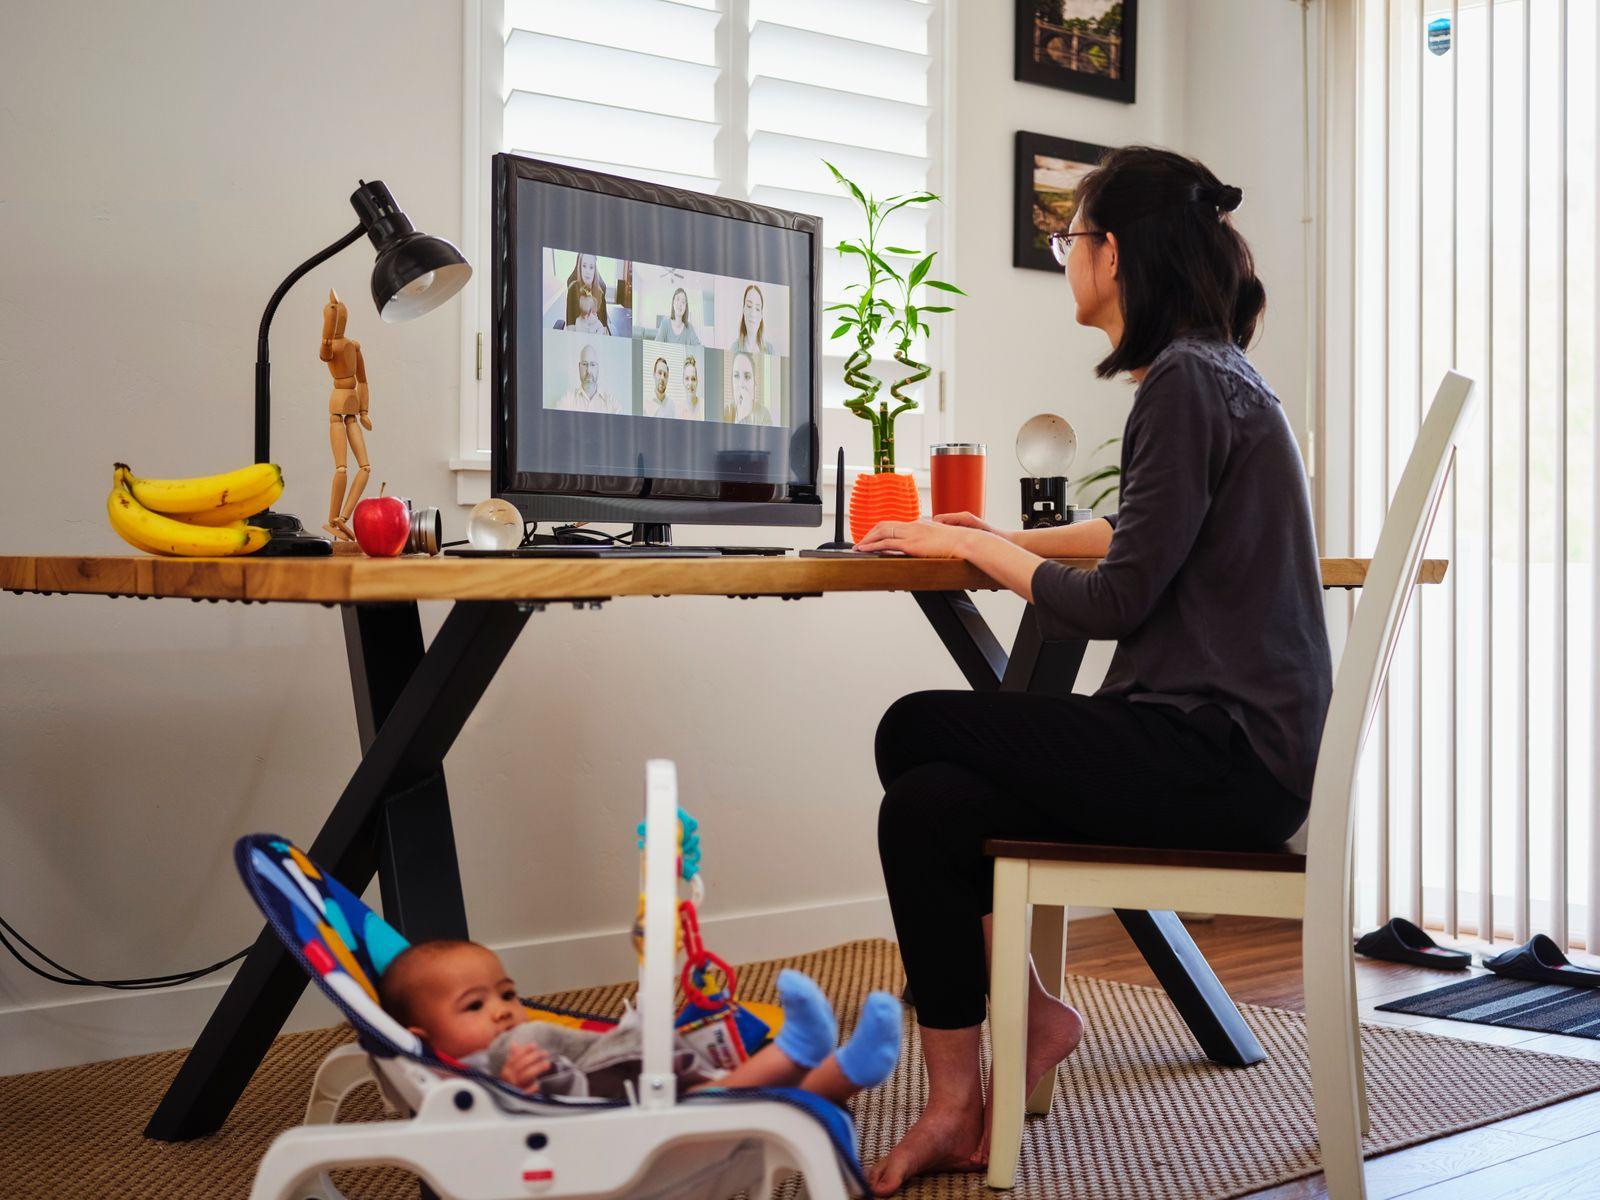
(1046,446)
(418,285)
(494,524)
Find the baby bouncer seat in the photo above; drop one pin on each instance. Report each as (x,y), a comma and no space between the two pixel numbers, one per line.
(470,1135)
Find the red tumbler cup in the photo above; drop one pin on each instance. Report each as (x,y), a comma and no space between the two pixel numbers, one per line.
(957,476)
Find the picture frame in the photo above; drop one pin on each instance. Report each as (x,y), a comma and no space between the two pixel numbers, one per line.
(1046,168)
(1082,46)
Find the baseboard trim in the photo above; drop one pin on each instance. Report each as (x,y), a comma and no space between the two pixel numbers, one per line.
(64,1033)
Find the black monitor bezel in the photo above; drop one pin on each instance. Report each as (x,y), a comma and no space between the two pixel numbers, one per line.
(583,499)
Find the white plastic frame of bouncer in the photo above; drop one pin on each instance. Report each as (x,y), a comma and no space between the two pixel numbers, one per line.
(466,1145)
(1336,1072)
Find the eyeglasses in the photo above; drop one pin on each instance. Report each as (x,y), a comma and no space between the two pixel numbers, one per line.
(1061,243)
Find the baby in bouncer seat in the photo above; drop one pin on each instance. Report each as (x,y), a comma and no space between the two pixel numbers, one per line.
(458,997)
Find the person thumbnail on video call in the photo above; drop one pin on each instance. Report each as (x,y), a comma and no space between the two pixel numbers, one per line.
(663,342)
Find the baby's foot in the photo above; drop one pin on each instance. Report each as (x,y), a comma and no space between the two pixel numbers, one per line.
(809,1031)
(868,1058)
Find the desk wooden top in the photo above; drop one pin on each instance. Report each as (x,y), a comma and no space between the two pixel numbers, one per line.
(357,579)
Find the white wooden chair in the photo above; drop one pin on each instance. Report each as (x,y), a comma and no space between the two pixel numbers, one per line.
(1314,887)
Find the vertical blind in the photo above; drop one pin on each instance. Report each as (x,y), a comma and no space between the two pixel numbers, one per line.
(1470,182)
(745,98)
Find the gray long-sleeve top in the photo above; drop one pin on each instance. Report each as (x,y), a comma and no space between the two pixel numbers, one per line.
(1212,586)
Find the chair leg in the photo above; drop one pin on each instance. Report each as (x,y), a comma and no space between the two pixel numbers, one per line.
(1355,1049)
(1049,959)
(1333,1049)
(1008,1019)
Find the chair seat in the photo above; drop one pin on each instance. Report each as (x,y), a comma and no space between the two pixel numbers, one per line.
(1281,859)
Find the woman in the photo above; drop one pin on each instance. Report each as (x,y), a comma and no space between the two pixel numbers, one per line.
(1205,731)
(752,337)
(677,328)
(586,277)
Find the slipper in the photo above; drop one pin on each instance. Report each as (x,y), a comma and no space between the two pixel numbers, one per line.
(1401,941)
(1541,960)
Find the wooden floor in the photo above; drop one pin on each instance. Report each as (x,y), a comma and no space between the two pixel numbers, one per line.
(1551,1153)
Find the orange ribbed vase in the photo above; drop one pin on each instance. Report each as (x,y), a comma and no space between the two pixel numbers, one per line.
(882,497)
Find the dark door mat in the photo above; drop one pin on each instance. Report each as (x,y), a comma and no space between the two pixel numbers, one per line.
(1516,1003)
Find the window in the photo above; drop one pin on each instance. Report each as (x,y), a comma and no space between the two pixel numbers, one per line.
(1462,137)
(739,98)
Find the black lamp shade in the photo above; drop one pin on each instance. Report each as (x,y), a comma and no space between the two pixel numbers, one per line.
(414,273)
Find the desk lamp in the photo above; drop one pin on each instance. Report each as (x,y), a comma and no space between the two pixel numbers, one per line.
(414,274)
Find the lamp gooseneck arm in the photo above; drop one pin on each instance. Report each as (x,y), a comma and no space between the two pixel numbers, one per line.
(263,366)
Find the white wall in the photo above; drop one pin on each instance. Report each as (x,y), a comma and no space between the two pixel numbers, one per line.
(160,178)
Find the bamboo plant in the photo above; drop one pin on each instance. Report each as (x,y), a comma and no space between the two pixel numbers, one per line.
(871,315)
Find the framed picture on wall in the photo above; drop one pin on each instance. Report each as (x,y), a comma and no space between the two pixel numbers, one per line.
(1080,45)
(1047,173)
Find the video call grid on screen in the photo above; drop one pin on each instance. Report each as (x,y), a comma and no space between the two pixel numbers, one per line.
(666,343)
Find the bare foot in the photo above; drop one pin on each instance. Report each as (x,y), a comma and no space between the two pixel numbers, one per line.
(941,1140)
(1054,1030)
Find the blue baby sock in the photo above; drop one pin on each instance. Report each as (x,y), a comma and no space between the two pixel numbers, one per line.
(872,1051)
(809,1031)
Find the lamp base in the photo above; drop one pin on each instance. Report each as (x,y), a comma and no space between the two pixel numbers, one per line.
(289,537)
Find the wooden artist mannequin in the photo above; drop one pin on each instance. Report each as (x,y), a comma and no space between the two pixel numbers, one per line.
(347,415)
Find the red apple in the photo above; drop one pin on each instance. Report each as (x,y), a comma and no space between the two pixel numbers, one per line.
(381,524)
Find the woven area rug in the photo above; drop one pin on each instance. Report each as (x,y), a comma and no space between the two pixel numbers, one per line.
(1140,1114)
(1517,1003)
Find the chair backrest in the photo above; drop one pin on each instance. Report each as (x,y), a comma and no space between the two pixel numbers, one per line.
(1385,595)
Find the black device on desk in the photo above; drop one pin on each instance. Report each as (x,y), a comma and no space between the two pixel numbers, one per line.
(655,358)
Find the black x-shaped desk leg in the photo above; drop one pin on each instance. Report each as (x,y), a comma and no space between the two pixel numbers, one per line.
(392,820)
(1035,665)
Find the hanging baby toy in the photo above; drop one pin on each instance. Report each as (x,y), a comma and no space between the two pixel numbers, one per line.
(720,1026)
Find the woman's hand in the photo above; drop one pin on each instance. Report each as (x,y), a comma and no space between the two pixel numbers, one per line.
(920,539)
(968,521)
(526,1064)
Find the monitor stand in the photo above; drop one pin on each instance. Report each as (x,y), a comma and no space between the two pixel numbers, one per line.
(649,540)
(650,536)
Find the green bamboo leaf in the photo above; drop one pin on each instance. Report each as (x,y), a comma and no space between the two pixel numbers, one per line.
(942,286)
(1095,503)
(919,271)
(1110,441)
(840,332)
(883,265)
(937,308)
(1096,477)
(901,250)
(854,190)
(836,307)
(919,198)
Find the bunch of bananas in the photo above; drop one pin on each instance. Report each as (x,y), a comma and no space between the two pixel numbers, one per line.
(202,517)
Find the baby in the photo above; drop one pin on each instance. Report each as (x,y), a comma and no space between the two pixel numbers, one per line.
(589,320)
(457,997)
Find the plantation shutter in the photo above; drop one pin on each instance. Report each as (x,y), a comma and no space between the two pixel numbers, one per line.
(745,98)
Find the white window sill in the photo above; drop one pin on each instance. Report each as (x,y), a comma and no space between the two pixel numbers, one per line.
(472,481)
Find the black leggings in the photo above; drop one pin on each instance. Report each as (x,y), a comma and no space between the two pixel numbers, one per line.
(960,767)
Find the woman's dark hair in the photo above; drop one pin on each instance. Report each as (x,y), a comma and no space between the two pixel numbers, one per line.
(1182,268)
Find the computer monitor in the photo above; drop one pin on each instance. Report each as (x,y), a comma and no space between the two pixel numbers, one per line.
(655,352)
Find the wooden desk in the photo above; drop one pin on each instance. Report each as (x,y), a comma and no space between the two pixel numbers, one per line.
(393,817)
(353,579)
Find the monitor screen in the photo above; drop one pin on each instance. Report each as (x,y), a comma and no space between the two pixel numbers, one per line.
(652,346)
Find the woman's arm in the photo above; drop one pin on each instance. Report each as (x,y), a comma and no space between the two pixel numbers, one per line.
(998,554)
(1085,539)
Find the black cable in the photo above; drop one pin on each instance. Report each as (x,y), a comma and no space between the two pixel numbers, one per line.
(71,978)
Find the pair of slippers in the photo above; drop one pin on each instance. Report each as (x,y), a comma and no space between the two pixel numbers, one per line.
(1539,960)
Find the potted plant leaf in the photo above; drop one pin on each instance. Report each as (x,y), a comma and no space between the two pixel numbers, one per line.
(871,316)
(1109,476)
